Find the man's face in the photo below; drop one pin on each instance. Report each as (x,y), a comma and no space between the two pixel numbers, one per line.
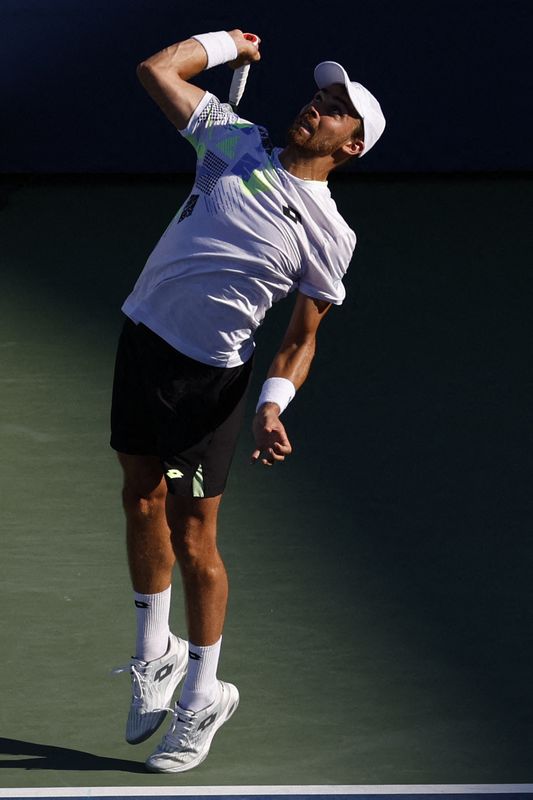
(326,123)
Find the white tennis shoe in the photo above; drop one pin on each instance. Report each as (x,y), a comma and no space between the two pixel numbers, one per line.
(190,735)
(153,684)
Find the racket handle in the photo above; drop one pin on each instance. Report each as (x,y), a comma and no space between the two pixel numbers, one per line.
(240,76)
(238,83)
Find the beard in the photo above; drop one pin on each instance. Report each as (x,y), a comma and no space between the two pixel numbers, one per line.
(309,142)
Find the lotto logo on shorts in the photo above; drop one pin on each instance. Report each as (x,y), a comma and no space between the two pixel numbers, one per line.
(174,473)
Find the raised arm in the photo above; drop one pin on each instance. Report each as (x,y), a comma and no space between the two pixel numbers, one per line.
(166,75)
(292,362)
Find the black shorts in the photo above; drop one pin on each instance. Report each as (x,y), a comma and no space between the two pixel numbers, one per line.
(168,405)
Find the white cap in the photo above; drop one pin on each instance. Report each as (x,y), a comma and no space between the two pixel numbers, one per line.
(363,101)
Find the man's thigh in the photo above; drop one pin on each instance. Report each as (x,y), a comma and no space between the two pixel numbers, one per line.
(143,475)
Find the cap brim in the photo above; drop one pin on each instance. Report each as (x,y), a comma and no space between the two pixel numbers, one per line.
(329,72)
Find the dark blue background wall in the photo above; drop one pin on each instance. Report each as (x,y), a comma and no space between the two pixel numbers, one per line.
(454,78)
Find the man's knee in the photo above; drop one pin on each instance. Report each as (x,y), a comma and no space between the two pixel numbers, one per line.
(193,525)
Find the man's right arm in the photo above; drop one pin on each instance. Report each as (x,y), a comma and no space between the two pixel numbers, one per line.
(166,75)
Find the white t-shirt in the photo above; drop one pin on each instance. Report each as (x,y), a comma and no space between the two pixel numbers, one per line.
(248,234)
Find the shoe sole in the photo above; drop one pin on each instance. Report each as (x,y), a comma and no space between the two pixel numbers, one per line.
(232,706)
(151,730)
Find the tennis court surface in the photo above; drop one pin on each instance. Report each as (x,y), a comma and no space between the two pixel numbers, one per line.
(381,611)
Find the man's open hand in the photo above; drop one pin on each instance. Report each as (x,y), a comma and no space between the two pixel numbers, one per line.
(272,442)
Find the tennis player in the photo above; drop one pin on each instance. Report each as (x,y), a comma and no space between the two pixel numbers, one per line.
(259,223)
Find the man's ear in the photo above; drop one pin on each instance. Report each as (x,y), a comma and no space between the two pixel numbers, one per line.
(354,147)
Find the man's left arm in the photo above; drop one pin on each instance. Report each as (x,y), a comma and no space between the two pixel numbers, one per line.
(292,362)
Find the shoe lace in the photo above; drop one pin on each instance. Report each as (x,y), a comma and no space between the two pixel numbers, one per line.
(179,732)
(137,680)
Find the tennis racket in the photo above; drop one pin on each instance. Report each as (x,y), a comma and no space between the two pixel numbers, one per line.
(240,76)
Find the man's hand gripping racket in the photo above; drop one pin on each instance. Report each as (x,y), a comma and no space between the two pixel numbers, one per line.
(242,68)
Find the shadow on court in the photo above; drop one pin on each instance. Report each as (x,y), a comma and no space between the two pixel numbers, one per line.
(32,756)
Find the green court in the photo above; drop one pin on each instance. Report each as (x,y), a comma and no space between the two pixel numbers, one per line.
(381,615)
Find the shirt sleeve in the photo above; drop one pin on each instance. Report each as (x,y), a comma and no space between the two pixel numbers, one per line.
(207,121)
(324,270)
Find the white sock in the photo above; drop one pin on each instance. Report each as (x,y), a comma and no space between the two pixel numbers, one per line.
(152,613)
(200,686)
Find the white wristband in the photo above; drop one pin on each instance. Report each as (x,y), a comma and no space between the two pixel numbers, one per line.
(277,390)
(219,46)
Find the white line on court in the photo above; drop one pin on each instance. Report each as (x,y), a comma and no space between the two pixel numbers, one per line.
(236,791)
